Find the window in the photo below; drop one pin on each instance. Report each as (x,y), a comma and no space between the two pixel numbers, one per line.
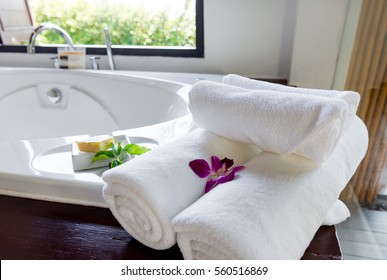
(137,27)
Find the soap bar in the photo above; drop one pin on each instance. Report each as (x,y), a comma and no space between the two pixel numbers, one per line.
(95,144)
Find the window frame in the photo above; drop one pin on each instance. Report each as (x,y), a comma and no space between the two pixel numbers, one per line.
(170,51)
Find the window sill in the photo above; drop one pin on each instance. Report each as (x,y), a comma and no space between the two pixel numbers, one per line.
(127,50)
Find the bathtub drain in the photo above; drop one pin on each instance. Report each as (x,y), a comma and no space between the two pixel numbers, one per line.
(54,95)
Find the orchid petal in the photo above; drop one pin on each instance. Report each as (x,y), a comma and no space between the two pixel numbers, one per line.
(238,168)
(230,176)
(227,178)
(220,171)
(200,167)
(215,164)
(228,162)
(211,183)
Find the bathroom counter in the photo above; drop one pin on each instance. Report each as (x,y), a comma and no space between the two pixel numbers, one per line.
(33,229)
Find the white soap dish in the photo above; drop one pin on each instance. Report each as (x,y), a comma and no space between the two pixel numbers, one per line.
(83,160)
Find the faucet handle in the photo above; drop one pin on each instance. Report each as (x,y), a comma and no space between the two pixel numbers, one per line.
(56,61)
(94,62)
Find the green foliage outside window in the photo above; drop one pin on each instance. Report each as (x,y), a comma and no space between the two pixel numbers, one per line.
(85,20)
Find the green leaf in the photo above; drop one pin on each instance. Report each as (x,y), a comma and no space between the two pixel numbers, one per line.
(123,156)
(102,155)
(128,146)
(119,148)
(135,149)
(119,154)
(115,163)
(108,153)
(113,149)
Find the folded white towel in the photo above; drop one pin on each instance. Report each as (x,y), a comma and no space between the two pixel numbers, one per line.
(145,193)
(278,122)
(350,97)
(274,207)
(338,214)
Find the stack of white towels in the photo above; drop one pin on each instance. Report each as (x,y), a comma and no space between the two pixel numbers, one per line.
(300,147)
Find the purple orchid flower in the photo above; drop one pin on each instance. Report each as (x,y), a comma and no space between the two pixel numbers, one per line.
(220,171)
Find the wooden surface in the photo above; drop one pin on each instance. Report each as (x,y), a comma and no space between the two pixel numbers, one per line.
(32,229)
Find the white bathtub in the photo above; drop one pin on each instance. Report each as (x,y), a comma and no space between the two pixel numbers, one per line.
(43,111)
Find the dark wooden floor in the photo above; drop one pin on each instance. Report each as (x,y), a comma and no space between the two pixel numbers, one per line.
(32,229)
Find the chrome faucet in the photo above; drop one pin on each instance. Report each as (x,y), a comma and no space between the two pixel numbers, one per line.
(52,27)
(109,49)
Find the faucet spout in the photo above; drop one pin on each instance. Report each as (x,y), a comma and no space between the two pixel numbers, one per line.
(109,49)
(52,27)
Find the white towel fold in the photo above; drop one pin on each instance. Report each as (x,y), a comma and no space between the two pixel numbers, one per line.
(350,97)
(278,122)
(338,214)
(145,193)
(273,208)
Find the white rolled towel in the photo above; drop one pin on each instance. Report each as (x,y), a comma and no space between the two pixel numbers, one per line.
(145,193)
(350,97)
(278,122)
(338,214)
(274,207)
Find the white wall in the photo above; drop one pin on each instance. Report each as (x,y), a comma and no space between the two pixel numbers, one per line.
(347,43)
(255,38)
(319,31)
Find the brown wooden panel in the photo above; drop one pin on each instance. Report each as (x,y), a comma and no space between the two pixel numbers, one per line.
(367,75)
